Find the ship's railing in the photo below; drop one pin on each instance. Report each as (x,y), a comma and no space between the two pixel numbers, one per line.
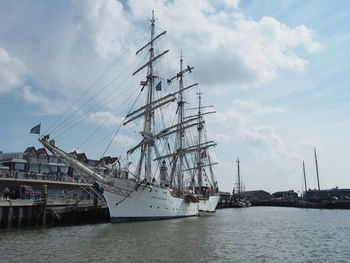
(75,195)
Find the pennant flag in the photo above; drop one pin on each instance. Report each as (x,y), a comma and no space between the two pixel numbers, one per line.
(159,86)
(36,129)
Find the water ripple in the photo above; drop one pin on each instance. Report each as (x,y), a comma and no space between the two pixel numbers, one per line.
(256,234)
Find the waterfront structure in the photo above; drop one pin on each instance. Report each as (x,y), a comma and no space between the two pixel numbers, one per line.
(256,195)
(34,168)
(38,164)
(34,164)
(341,194)
(285,195)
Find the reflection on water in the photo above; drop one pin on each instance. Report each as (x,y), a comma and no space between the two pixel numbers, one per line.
(255,234)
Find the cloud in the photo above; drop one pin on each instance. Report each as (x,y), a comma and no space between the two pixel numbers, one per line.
(104,118)
(232,3)
(12,72)
(31,98)
(228,49)
(255,107)
(124,140)
(105,23)
(238,125)
(48,106)
(263,136)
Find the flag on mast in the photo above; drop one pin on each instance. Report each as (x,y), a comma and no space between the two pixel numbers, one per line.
(159,86)
(35,129)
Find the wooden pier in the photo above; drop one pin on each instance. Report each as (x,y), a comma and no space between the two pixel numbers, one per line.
(21,213)
(58,203)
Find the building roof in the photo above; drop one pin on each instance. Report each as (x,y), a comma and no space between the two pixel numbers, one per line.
(30,149)
(281,192)
(80,156)
(41,151)
(255,192)
(108,160)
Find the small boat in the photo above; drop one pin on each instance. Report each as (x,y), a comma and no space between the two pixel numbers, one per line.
(189,198)
(206,213)
(238,200)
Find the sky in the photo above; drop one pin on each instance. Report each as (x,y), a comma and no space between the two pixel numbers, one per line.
(275,71)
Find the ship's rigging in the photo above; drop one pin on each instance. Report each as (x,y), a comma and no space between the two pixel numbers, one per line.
(175,154)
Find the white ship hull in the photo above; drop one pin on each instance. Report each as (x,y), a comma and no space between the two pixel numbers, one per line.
(150,203)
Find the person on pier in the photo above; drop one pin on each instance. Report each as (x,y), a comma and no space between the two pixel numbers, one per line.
(6,193)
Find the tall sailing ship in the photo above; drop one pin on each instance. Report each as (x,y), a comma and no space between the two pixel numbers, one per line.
(168,181)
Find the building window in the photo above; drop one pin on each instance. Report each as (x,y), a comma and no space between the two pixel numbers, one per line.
(53,169)
(32,159)
(42,159)
(34,168)
(19,166)
(53,159)
(44,169)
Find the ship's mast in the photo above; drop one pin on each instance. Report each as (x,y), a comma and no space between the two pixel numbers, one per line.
(148,129)
(304,177)
(318,178)
(180,121)
(239,178)
(199,129)
(179,157)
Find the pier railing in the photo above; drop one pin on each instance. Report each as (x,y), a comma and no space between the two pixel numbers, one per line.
(40,176)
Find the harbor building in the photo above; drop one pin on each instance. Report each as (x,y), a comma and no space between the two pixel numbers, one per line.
(38,164)
(334,193)
(285,195)
(34,164)
(256,195)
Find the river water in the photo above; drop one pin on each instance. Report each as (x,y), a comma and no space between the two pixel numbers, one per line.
(255,234)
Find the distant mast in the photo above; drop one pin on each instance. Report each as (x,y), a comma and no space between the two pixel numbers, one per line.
(239,178)
(304,177)
(318,178)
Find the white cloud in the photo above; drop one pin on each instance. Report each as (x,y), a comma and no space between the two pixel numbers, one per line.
(255,107)
(232,3)
(12,72)
(227,48)
(105,23)
(31,98)
(231,117)
(104,118)
(262,137)
(267,45)
(238,126)
(124,140)
(47,105)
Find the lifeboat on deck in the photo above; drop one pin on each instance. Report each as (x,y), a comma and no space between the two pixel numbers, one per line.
(191,198)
